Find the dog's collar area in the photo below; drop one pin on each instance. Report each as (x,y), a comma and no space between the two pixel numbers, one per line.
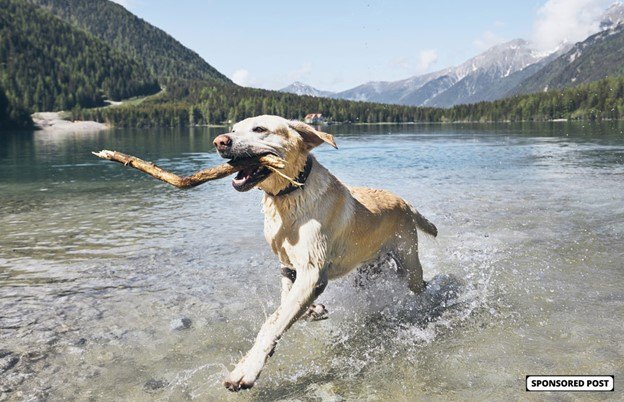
(303,176)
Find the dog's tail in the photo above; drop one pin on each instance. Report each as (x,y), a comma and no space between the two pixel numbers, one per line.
(423,223)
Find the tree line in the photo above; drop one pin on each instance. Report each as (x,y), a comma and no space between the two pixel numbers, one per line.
(187,103)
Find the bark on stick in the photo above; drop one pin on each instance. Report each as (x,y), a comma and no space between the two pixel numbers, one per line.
(213,173)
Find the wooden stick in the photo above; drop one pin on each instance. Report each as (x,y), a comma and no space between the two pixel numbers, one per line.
(290,179)
(216,172)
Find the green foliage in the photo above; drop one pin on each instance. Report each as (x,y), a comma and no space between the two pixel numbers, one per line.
(194,103)
(122,30)
(198,102)
(12,117)
(46,64)
(603,99)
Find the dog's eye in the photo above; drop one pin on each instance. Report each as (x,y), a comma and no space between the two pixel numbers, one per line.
(259,129)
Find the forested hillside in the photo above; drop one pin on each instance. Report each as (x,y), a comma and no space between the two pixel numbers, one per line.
(50,63)
(124,31)
(603,99)
(198,102)
(47,64)
(189,103)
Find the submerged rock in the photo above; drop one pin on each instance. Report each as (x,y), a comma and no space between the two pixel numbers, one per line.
(80,342)
(7,360)
(154,385)
(324,392)
(179,324)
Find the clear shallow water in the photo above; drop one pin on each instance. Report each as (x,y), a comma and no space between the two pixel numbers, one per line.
(97,261)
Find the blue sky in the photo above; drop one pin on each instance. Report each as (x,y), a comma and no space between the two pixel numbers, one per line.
(336,45)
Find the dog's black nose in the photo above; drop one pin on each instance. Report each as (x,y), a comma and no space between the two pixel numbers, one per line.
(223,142)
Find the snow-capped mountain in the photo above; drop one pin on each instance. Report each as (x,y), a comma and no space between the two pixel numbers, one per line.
(613,16)
(299,88)
(599,56)
(482,77)
(503,70)
(472,79)
(389,92)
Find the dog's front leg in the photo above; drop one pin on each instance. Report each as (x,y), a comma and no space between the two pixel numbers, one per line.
(288,278)
(304,290)
(315,311)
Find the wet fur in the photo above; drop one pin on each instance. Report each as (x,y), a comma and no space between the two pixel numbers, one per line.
(321,232)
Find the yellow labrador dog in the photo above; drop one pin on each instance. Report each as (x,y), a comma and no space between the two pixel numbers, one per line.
(320,230)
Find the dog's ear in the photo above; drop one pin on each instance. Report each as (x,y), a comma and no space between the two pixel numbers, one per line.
(312,137)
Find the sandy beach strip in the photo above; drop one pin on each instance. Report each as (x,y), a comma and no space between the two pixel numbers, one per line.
(53,121)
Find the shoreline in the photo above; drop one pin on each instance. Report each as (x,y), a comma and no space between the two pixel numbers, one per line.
(54,121)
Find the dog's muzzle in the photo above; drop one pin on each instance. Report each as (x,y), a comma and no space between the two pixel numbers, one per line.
(249,177)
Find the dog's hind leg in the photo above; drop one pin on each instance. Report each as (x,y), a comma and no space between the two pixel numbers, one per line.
(405,254)
(317,311)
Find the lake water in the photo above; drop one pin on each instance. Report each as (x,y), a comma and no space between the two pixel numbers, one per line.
(99,263)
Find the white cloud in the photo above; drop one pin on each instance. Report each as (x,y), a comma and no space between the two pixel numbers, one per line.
(426,59)
(401,62)
(487,40)
(241,77)
(566,21)
(300,73)
(277,81)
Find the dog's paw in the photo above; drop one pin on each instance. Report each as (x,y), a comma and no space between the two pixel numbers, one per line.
(237,381)
(237,385)
(316,312)
(243,376)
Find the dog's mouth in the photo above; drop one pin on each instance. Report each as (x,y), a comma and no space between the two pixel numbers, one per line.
(251,175)
(248,178)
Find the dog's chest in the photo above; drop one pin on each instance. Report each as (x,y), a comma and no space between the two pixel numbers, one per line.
(294,241)
(274,234)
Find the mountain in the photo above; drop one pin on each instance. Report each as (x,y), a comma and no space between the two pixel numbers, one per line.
(597,57)
(479,78)
(390,92)
(122,30)
(500,88)
(612,16)
(299,88)
(486,76)
(47,64)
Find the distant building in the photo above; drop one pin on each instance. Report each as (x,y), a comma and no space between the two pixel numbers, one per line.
(314,118)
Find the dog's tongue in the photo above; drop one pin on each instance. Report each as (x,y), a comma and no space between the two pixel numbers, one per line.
(244,175)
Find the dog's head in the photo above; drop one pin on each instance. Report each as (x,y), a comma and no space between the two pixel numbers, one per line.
(262,135)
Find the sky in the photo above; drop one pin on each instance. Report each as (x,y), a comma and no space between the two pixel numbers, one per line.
(337,45)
